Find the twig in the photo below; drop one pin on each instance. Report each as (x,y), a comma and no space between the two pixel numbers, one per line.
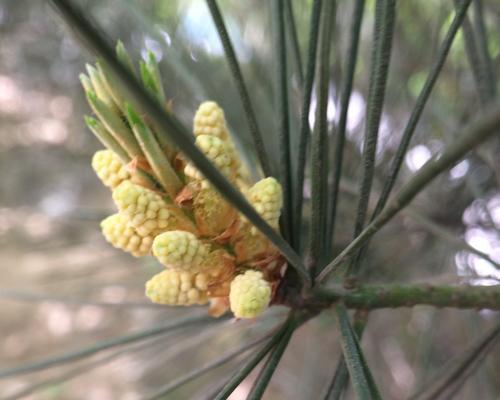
(368,297)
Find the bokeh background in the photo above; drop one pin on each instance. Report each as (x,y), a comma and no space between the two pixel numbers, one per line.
(62,288)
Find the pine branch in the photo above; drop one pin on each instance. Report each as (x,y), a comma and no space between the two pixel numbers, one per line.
(368,297)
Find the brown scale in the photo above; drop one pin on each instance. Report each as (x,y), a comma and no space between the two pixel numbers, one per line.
(222,270)
(250,246)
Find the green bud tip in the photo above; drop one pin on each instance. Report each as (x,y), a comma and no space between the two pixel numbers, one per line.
(91,70)
(132,116)
(91,122)
(151,59)
(86,83)
(91,96)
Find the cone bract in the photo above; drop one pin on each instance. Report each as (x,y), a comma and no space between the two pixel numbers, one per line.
(251,245)
(213,214)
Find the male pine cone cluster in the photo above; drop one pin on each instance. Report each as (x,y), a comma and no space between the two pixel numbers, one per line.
(168,209)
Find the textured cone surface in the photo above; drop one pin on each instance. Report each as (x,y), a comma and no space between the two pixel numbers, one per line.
(122,235)
(209,120)
(251,245)
(149,214)
(250,294)
(109,168)
(267,198)
(180,250)
(220,153)
(219,267)
(177,288)
(213,214)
